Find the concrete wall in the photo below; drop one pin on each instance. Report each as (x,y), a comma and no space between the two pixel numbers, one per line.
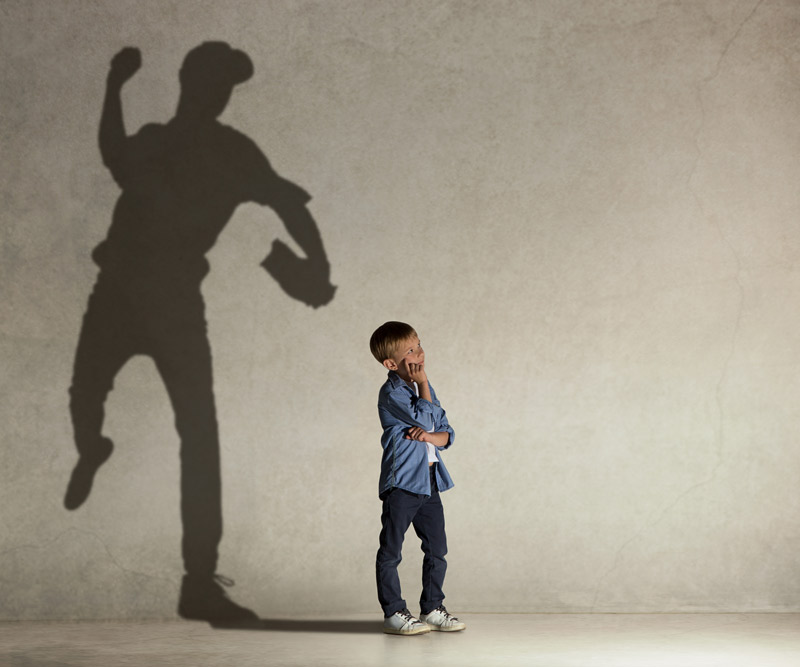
(589,210)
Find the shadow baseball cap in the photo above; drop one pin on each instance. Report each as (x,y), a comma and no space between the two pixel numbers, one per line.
(216,63)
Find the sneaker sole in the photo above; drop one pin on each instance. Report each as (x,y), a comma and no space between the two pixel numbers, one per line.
(421,631)
(457,628)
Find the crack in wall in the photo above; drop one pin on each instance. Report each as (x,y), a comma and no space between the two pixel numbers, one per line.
(48,544)
(719,445)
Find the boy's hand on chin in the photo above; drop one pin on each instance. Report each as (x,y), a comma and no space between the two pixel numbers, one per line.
(416,372)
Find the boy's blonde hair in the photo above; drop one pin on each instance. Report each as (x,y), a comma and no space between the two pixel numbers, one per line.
(387,337)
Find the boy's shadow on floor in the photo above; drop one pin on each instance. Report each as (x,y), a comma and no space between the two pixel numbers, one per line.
(295,625)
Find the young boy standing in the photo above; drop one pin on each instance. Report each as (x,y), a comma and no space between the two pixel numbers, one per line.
(415,430)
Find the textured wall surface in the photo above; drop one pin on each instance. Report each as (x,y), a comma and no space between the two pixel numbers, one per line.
(590,212)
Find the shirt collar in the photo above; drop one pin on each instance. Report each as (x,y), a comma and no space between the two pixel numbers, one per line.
(396,381)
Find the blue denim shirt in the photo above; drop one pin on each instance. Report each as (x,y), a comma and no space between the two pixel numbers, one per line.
(404,464)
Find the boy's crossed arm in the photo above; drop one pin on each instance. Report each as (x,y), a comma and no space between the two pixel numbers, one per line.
(438,439)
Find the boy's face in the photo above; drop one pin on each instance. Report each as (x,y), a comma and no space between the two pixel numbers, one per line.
(407,352)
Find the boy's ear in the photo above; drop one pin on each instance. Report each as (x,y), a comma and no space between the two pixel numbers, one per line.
(389,364)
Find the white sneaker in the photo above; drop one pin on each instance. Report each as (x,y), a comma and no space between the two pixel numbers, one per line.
(403,623)
(442,620)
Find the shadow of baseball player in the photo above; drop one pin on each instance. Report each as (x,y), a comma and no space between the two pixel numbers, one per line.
(181,182)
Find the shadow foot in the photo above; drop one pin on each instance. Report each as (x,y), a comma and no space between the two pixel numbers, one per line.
(80,483)
(204,599)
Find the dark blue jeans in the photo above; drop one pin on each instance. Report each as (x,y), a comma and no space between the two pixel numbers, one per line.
(400,510)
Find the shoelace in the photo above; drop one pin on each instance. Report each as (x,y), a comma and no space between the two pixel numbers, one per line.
(406,616)
(447,615)
(225,581)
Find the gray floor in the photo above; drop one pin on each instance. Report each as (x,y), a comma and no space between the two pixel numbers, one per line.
(551,640)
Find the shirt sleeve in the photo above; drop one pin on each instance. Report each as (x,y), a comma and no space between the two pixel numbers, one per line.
(262,184)
(442,425)
(410,410)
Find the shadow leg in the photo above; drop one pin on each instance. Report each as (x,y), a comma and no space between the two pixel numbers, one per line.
(104,347)
(184,362)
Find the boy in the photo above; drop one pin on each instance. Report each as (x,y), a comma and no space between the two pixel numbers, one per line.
(415,428)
